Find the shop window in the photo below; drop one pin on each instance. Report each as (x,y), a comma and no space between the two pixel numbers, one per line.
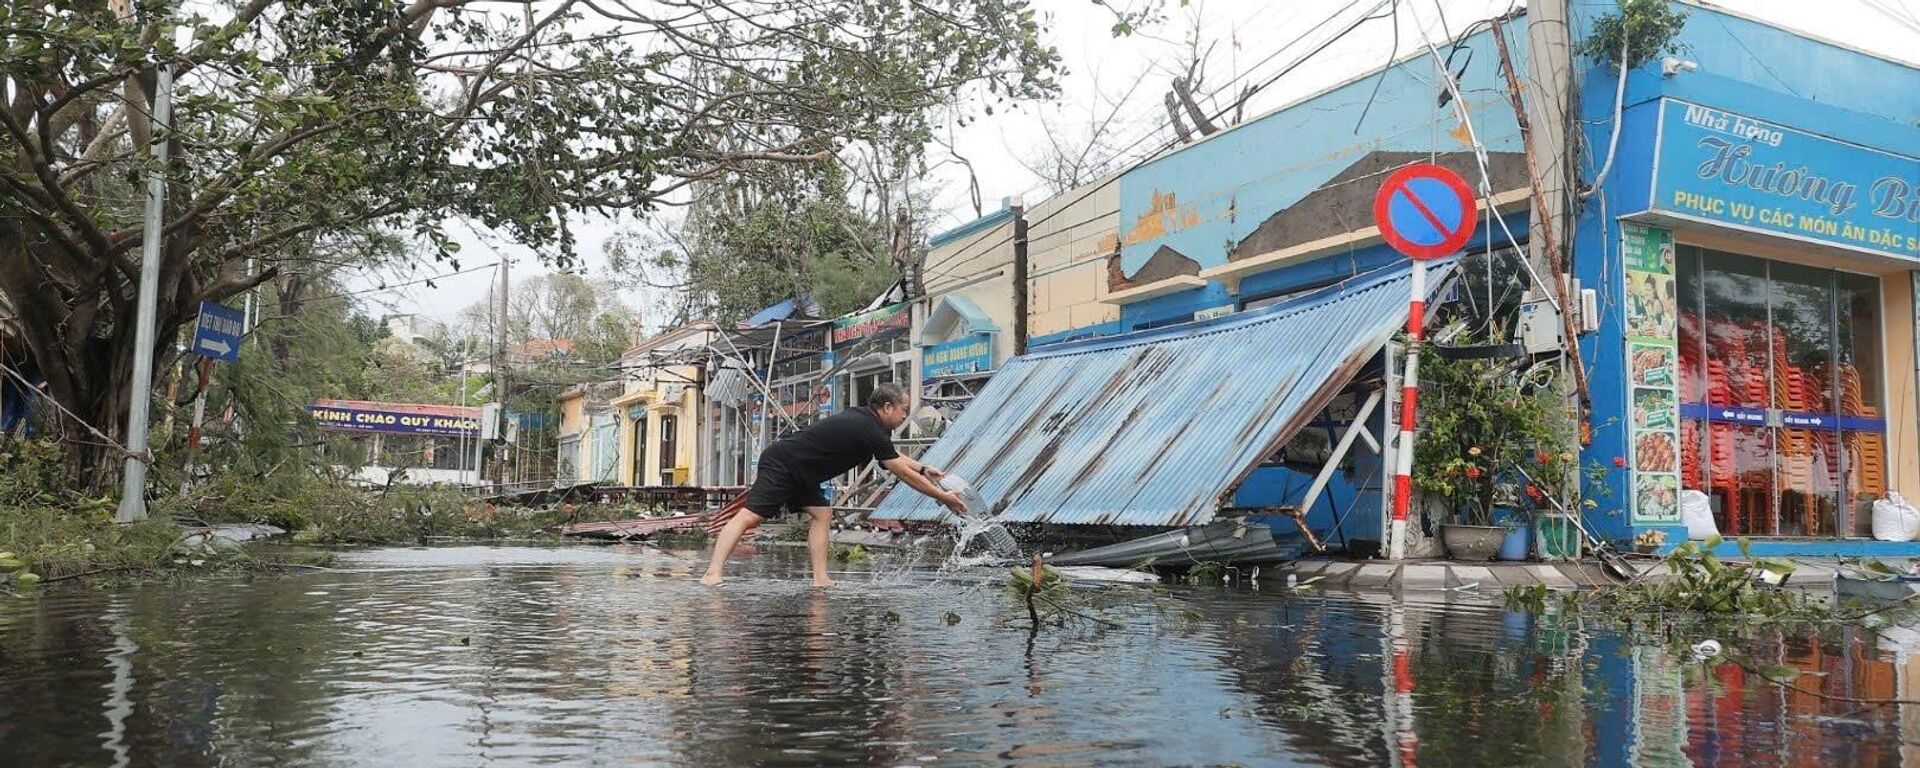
(448,453)
(1780,388)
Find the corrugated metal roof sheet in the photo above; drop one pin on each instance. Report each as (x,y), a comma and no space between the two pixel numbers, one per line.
(1152,428)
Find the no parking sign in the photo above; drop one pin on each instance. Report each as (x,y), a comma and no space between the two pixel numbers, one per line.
(1426,211)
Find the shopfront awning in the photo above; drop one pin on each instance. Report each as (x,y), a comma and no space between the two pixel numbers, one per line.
(1154,428)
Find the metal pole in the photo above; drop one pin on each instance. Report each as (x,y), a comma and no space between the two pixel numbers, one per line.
(466,467)
(500,381)
(1409,405)
(246,315)
(133,486)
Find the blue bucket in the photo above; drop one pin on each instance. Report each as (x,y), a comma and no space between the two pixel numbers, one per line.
(1519,539)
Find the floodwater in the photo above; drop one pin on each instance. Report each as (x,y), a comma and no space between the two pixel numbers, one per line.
(475,656)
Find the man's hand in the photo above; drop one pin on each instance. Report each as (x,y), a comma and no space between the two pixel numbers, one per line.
(931,473)
(953,502)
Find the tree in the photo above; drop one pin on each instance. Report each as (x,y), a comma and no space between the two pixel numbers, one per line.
(750,242)
(361,120)
(1078,151)
(588,315)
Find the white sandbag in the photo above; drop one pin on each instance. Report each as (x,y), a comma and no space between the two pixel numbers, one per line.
(1697,514)
(1894,519)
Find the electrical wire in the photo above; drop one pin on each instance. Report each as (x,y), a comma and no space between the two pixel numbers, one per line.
(1480,158)
(1150,156)
(1619,107)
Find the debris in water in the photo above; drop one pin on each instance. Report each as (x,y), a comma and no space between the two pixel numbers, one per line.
(1706,649)
(1103,574)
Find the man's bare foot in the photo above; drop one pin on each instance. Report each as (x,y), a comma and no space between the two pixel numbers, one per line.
(710,579)
(823,582)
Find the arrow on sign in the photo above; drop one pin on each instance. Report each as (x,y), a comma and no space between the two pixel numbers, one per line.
(215,346)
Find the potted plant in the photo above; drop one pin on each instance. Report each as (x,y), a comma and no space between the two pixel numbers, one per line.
(1492,436)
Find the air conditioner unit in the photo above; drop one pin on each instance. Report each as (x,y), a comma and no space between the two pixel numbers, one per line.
(1589,310)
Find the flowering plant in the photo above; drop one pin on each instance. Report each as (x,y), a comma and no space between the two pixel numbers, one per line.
(1490,435)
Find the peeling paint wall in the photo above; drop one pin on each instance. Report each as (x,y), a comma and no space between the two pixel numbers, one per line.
(1069,239)
(1221,198)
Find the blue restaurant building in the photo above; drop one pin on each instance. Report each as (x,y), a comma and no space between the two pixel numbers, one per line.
(1754,247)
(1751,250)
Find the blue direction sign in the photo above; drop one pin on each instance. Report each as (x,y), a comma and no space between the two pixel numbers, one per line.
(217,333)
(1425,211)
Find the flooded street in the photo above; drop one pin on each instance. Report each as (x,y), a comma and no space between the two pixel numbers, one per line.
(615,656)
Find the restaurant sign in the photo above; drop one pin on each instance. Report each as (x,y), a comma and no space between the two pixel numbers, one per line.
(396,418)
(894,318)
(967,354)
(1740,171)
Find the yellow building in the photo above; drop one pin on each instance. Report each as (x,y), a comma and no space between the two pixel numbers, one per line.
(660,434)
(588,426)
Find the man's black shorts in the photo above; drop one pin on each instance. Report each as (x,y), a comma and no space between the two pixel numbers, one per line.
(776,488)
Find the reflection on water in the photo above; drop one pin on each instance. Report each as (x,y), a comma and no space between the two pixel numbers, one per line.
(585,656)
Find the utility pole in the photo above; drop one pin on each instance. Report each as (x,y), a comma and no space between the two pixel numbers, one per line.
(1020,267)
(133,485)
(500,382)
(1547,225)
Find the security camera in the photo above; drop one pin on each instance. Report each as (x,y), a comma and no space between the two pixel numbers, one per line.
(1671,66)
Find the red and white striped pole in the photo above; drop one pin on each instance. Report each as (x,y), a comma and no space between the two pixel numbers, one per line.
(1426,212)
(1409,407)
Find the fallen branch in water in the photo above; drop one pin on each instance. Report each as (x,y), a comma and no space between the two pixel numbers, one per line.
(1071,612)
(96,572)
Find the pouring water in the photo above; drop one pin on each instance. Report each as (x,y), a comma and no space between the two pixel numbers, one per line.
(991,533)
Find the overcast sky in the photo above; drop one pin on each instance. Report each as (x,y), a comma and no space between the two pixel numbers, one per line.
(1251,40)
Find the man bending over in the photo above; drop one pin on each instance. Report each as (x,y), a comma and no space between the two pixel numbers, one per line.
(792,469)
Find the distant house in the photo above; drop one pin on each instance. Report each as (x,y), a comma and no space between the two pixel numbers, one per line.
(663,427)
(588,439)
(413,329)
(539,350)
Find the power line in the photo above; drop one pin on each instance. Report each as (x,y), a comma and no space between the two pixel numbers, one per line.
(1142,161)
(1168,121)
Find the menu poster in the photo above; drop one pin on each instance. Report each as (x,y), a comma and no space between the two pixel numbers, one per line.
(1652,356)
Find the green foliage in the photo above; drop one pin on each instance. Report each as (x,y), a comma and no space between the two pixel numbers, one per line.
(370,127)
(53,542)
(1480,423)
(1645,28)
(1703,584)
(756,241)
(795,531)
(1531,598)
(851,554)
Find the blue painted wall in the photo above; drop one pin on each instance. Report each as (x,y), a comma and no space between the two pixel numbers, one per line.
(1744,67)
(1212,194)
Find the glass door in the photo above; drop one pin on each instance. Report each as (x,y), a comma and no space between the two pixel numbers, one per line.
(1780,394)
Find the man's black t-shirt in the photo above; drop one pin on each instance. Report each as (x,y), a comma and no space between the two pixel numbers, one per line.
(833,445)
